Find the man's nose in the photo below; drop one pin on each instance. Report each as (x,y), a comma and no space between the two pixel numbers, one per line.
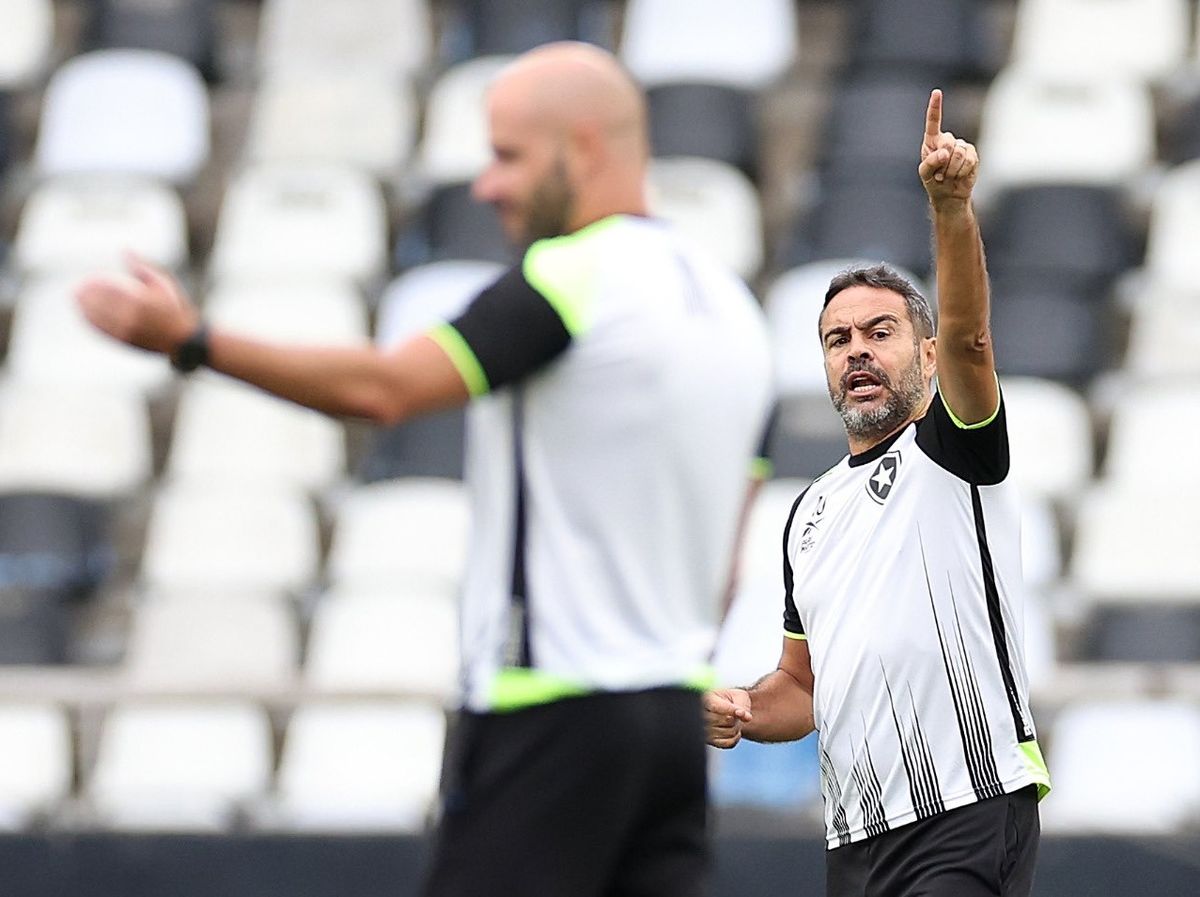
(483,188)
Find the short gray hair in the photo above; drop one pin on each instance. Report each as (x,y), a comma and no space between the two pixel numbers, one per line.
(885,277)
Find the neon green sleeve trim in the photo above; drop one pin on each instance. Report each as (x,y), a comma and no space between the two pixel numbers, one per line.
(761,469)
(958,423)
(798,636)
(462,357)
(1031,753)
(563,269)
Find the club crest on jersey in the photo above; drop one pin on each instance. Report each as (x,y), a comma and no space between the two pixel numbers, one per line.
(883,477)
(808,536)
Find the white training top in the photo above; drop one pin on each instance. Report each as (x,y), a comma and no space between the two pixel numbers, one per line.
(627,380)
(902,568)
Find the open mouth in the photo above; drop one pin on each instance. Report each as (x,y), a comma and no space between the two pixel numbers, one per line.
(863,384)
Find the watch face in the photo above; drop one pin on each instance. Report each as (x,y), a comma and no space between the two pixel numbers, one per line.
(193,352)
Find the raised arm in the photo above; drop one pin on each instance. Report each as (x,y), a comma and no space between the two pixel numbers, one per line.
(966,368)
(151,311)
(778,707)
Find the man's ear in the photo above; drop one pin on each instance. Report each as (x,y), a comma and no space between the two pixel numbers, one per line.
(586,150)
(929,356)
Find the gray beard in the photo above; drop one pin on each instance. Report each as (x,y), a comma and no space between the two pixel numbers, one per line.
(873,424)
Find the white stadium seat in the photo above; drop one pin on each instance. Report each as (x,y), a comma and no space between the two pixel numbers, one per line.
(179,766)
(51,342)
(291,310)
(203,644)
(230,536)
(747,45)
(714,205)
(1103,131)
(411,532)
(385,38)
(1145,421)
(25,41)
(125,112)
(301,221)
(81,440)
(384,640)
(1174,223)
(1101,40)
(360,766)
(1050,437)
(455,146)
(38,765)
(427,295)
(1164,333)
(334,117)
(75,224)
(1101,787)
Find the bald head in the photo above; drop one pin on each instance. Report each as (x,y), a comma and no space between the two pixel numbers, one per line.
(571,85)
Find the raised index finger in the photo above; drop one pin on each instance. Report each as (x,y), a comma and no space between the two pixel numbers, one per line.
(933,115)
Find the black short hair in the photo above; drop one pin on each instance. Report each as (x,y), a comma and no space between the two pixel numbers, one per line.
(884,276)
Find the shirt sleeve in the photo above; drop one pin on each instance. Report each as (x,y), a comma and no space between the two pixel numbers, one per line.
(792,626)
(507,332)
(976,453)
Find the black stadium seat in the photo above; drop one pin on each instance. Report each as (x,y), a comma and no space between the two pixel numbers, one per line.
(453,225)
(513,26)
(1143,634)
(430,446)
(937,41)
(873,130)
(709,120)
(183,28)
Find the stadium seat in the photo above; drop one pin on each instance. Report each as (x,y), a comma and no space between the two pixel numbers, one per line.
(1049,436)
(514,26)
(1143,633)
(25,41)
(301,221)
(1103,131)
(1174,219)
(1079,233)
(35,628)
(1144,422)
(293,310)
(82,223)
(360,766)
(712,204)
(159,100)
(861,219)
(807,437)
(179,766)
(936,42)
(346,118)
(385,640)
(793,306)
(183,28)
(229,536)
(1137,543)
(1181,128)
(454,225)
(38,764)
(1048,330)
(229,433)
(88,442)
(455,146)
(868,135)
(390,39)
(52,343)
(1041,542)
(746,45)
(411,531)
(712,121)
(208,644)
(54,543)
(1164,334)
(1100,789)
(1101,40)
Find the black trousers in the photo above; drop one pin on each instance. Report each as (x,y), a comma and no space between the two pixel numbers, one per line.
(597,796)
(985,849)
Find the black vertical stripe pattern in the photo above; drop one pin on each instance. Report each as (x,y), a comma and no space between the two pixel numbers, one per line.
(918,763)
(833,794)
(975,747)
(519,654)
(976,714)
(928,770)
(870,793)
(1023,729)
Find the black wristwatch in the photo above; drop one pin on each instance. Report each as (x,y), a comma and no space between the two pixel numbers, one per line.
(193,351)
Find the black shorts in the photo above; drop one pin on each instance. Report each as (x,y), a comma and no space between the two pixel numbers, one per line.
(597,796)
(985,849)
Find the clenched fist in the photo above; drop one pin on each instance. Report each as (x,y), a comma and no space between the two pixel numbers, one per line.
(725,710)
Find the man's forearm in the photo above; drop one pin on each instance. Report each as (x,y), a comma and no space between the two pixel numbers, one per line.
(961,273)
(782,709)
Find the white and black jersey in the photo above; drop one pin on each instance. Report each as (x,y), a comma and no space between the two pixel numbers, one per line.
(902,569)
(622,383)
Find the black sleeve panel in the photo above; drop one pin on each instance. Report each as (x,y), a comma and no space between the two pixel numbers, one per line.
(791,616)
(978,455)
(512,329)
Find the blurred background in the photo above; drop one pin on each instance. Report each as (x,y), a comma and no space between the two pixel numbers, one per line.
(228,625)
